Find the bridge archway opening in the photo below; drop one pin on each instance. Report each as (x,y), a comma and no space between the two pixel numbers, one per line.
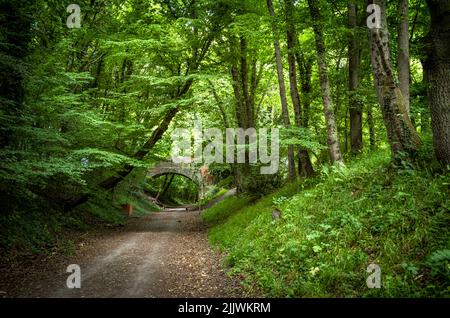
(174,188)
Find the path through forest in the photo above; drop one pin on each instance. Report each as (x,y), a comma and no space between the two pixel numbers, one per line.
(165,254)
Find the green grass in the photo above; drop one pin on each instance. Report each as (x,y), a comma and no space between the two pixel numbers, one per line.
(215,193)
(335,226)
(223,209)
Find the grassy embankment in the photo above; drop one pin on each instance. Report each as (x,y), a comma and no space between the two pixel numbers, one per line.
(335,225)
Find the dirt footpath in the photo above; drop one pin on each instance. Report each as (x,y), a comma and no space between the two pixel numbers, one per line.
(165,254)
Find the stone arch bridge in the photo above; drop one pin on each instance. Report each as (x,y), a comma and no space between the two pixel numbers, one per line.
(196,173)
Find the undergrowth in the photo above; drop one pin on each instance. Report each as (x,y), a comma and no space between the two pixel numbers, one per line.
(337,224)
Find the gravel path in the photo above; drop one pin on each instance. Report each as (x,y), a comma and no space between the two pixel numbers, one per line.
(165,254)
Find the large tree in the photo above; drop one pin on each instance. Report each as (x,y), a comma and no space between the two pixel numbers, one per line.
(245,79)
(334,147)
(355,105)
(198,45)
(437,68)
(282,90)
(402,136)
(305,168)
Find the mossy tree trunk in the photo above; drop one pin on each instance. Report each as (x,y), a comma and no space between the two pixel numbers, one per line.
(305,64)
(402,136)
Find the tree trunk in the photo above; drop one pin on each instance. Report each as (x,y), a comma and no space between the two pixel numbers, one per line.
(403,51)
(245,81)
(239,107)
(161,188)
(112,181)
(305,168)
(334,147)
(167,185)
(372,137)
(305,70)
(437,67)
(401,133)
(284,106)
(355,105)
